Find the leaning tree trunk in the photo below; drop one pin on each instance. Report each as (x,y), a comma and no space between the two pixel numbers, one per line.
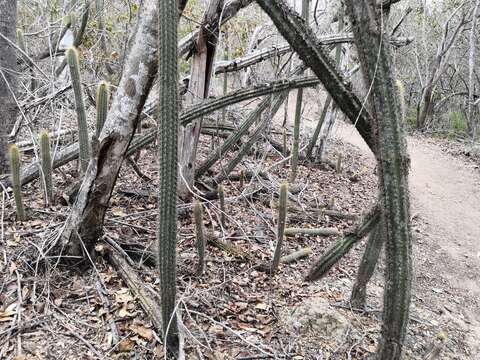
(167,141)
(85,221)
(8,77)
(198,88)
(393,162)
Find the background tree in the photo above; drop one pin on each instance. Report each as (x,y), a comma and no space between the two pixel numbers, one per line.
(8,77)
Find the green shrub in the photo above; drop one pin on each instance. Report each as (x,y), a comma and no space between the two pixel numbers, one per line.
(459,122)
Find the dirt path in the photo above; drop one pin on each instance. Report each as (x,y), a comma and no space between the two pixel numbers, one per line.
(445,199)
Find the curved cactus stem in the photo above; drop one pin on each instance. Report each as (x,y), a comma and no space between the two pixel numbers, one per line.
(46,161)
(103,96)
(16,183)
(74,65)
(340,248)
(393,164)
(282,220)
(77,41)
(367,267)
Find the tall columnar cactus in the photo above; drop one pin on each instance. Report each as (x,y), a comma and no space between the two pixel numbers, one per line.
(46,161)
(167,142)
(103,96)
(298,112)
(17,182)
(284,140)
(74,65)
(242,178)
(375,57)
(282,219)
(21,40)
(221,197)
(199,232)
(338,165)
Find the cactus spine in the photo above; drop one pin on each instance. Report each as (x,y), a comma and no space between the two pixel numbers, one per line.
(168,157)
(17,182)
(74,65)
(103,96)
(282,219)
(199,231)
(46,161)
(221,196)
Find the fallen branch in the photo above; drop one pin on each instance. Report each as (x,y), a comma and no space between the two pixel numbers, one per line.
(343,246)
(313,232)
(227,66)
(135,284)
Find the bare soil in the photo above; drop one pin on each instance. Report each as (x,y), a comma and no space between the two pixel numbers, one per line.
(445,200)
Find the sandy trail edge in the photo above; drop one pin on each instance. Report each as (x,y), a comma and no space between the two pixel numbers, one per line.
(445,194)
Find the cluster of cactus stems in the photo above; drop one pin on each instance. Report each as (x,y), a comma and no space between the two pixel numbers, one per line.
(221,196)
(74,66)
(46,162)
(200,235)
(282,220)
(103,96)
(17,182)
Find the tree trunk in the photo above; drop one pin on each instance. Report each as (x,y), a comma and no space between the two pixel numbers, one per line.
(8,78)
(393,163)
(85,221)
(425,107)
(202,66)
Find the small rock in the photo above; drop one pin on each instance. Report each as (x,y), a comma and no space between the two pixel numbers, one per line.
(315,317)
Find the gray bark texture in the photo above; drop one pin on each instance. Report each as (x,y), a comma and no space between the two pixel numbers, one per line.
(85,221)
(393,163)
(8,78)
(198,89)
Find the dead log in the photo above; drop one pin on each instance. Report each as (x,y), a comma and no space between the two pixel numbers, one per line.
(188,43)
(312,232)
(149,304)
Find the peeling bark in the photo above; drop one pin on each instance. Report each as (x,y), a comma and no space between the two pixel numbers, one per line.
(85,222)
(198,89)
